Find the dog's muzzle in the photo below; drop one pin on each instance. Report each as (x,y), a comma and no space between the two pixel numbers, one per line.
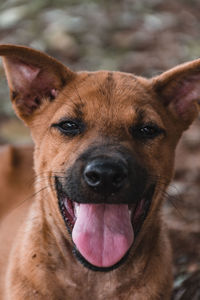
(104,200)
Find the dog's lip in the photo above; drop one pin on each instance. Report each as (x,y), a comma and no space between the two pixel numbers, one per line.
(71,209)
(67,208)
(138,213)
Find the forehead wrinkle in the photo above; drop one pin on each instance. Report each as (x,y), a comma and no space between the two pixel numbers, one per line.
(127,88)
(96,92)
(105,86)
(107,95)
(109,89)
(111,86)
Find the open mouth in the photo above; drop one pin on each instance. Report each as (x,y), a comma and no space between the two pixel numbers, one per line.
(103,234)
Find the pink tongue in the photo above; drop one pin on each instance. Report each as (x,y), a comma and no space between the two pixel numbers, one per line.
(103,233)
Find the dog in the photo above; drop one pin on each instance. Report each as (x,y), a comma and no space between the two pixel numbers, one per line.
(103,158)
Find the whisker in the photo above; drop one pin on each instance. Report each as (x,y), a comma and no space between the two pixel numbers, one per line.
(31,197)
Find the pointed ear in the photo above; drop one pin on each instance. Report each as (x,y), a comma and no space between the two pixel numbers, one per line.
(179,89)
(32,77)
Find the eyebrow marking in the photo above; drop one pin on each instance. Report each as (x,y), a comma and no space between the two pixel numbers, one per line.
(140,113)
(78,110)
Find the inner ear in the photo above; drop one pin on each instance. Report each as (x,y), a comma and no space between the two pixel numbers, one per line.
(21,70)
(32,77)
(179,89)
(187,92)
(29,85)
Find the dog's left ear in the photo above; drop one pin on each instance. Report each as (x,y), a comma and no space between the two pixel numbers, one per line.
(32,77)
(179,89)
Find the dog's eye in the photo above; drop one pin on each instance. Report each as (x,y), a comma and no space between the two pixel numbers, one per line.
(147,131)
(69,127)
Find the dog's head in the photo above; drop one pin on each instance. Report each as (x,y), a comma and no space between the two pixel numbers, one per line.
(105,145)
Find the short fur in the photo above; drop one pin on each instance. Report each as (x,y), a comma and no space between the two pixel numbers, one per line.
(36,258)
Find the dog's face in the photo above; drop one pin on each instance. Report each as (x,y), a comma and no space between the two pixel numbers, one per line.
(105,145)
(104,148)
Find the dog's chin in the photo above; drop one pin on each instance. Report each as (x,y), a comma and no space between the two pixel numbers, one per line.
(136,212)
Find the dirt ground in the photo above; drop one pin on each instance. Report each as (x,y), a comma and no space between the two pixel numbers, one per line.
(144,37)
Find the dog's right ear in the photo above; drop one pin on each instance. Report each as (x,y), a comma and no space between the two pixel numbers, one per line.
(179,91)
(32,77)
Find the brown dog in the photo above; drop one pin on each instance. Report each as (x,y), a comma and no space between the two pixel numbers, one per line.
(104,154)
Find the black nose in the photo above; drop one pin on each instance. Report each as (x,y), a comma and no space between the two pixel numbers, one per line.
(105,175)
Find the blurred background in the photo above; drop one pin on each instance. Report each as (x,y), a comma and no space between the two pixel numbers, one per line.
(144,37)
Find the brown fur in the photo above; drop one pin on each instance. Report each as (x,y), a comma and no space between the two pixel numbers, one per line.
(37,261)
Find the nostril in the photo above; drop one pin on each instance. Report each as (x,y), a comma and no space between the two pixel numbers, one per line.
(118,179)
(92,177)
